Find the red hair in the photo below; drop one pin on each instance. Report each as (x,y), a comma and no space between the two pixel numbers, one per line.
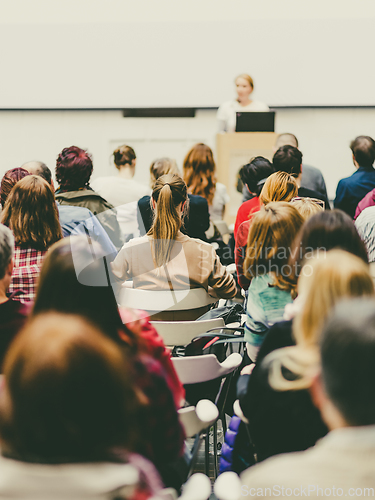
(199,172)
(73,168)
(11,177)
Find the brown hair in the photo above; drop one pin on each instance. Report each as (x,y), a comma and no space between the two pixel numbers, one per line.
(68,396)
(162,166)
(31,213)
(123,155)
(271,235)
(279,186)
(246,77)
(169,191)
(199,172)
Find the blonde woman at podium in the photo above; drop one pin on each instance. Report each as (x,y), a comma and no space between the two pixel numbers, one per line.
(226,114)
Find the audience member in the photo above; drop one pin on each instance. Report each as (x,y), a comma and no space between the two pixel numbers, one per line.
(197,219)
(289,159)
(271,235)
(31,213)
(351,190)
(74,220)
(279,186)
(252,174)
(307,207)
(285,421)
(69,416)
(13,313)
(365,225)
(341,463)
(312,178)
(121,190)
(10,178)
(80,269)
(326,231)
(73,171)
(166,259)
(199,174)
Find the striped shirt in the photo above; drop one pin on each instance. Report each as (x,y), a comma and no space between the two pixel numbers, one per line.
(365,224)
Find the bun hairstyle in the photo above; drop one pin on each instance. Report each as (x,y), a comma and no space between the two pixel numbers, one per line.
(162,166)
(123,155)
(169,191)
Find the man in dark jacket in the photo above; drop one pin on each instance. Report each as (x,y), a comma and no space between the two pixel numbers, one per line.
(351,190)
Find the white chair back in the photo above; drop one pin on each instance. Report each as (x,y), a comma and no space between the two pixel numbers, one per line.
(196,419)
(183,332)
(163,300)
(197,369)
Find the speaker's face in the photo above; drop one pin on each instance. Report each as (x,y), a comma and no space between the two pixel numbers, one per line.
(243,88)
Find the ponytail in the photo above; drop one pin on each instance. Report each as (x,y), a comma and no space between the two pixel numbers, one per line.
(169,191)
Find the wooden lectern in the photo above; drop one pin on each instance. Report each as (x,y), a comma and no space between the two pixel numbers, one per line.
(234,150)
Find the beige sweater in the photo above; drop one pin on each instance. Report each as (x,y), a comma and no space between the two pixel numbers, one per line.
(193,264)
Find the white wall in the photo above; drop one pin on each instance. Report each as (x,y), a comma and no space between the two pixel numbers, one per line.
(324,136)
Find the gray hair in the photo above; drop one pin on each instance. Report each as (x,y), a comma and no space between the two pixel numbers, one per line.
(6,248)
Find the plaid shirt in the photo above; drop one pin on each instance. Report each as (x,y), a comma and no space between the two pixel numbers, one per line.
(27,265)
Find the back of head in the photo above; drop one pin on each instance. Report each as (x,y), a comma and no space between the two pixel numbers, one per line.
(327,278)
(199,171)
(31,213)
(286,139)
(288,159)
(279,186)
(68,394)
(6,249)
(327,230)
(257,170)
(168,193)
(308,207)
(271,235)
(10,178)
(363,148)
(73,168)
(39,168)
(83,287)
(348,340)
(123,155)
(162,166)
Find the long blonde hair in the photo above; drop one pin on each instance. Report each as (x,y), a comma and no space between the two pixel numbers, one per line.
(325,280)
(269,242)
(279,186)
(169,191)
(199,172)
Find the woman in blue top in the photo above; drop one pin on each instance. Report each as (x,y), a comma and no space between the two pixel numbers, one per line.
(269,243)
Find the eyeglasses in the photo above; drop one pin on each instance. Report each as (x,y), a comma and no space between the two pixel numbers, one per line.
(314,200)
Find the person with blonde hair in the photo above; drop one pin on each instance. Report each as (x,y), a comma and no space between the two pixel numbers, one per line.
(226,114)
(307,207)
(199,173)
(275,396)
(31,213)
(279,186)
(166,259)
(271,235)
(197,217)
